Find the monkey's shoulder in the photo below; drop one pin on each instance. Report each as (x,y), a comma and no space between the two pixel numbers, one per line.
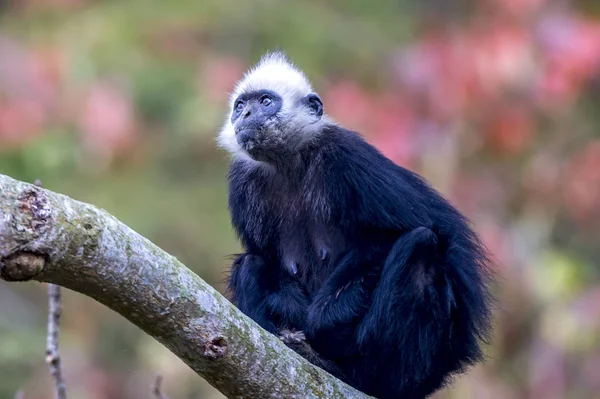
(346,153)
(371,189)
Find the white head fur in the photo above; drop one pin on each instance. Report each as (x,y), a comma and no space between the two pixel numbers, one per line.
(277,73)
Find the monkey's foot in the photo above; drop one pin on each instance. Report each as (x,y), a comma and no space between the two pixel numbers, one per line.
(292,337)
(296,340)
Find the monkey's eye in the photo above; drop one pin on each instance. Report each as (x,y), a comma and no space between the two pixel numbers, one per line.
(266,101)
(239,106)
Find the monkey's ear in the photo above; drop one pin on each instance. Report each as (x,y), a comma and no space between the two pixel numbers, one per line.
(315,104)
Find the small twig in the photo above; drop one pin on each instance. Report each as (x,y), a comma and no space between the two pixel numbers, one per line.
(156,389)
(52,353)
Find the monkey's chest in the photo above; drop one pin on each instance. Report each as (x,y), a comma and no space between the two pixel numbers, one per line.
(289,226)
(309,251)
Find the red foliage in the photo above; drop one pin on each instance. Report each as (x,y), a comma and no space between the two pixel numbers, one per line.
(346,101)
(218,76)
(518,8)
(510,128)
(21,120)
(393,128)
(581,184)
(570,50)
(107,121)
(29,88)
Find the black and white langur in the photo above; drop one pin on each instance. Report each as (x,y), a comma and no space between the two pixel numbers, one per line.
(355,262)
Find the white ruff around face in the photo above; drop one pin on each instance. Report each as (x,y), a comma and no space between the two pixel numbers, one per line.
(276,73)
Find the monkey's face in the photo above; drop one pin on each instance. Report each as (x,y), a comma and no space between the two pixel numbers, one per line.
(255,120)
(274,112)
(268,125)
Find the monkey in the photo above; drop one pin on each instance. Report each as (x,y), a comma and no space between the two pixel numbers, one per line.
(355,262)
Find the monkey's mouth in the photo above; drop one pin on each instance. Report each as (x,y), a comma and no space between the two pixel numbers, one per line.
(246,135)
(248,138)
(260,142)
(251,137)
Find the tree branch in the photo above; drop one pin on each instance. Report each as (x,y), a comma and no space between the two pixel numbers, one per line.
(49,237)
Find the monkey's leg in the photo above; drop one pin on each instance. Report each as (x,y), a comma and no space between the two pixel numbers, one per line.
(274,303)
(339,305)
(246,288)
(407,327)
(412,296)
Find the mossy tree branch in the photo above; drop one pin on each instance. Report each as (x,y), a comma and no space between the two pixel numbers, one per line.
(51,238)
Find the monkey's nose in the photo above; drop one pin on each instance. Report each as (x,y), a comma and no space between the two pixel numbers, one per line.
(247,112)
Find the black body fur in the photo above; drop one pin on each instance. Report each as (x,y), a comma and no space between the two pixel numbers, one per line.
(385,278)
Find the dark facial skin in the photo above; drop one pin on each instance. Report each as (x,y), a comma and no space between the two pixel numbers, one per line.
(252,113)
(258,126)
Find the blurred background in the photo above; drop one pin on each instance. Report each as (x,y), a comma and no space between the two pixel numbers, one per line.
(496,102)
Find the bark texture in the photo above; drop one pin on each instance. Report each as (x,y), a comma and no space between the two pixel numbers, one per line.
(51,238)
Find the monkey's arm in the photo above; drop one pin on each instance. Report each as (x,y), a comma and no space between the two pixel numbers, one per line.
(274,302)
